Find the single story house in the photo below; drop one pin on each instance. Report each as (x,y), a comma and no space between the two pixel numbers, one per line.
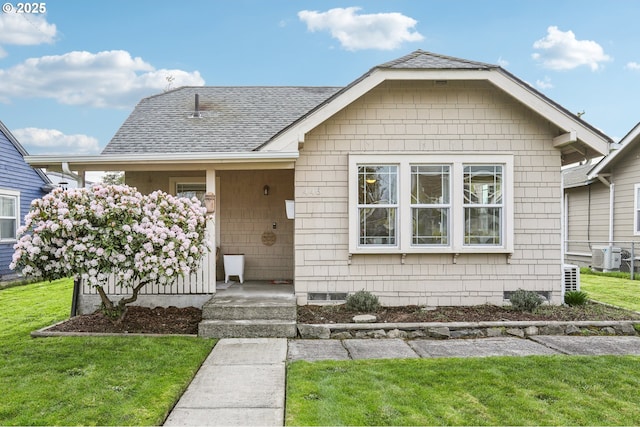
(19,185)
(429,180)
(602,209)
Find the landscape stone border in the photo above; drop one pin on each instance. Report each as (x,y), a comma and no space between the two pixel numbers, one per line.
(46,333)
(439,330)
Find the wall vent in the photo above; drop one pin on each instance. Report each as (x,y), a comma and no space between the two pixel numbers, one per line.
(327,296)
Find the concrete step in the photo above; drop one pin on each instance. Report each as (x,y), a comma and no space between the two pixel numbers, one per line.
(249,308)
(255,328)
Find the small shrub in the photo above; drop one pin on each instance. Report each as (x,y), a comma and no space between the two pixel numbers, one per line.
(362,301)
(575,298)
(522,300)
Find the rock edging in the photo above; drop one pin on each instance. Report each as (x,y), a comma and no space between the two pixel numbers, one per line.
(439,330)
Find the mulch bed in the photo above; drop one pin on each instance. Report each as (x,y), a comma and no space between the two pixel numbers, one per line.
(173,320)
(159,320)
(315,314)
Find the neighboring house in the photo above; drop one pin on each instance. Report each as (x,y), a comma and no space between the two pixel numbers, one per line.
(19,185)
(602,205)
(65,180)
(429,180)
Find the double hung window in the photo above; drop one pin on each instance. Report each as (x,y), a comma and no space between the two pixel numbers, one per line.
(431,203)
(9,214)
(378,204)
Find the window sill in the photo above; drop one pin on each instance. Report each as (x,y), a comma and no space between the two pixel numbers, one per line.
(433,250)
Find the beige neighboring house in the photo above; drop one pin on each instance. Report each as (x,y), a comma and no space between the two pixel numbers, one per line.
(602,207)
(429,180)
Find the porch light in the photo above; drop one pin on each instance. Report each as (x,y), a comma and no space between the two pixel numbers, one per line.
(210,202)
(265,190)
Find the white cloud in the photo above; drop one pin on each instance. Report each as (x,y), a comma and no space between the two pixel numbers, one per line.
(25,29)
(383,31)
(52,141)
(560,50)
(544,83)
(633,66)
(104,79)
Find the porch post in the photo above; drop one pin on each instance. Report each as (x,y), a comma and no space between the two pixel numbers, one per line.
(210,184)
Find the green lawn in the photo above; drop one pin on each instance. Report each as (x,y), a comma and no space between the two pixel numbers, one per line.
(619,291)
(85,381)
(551,390)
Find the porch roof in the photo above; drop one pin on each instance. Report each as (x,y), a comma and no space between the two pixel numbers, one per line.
(161,161)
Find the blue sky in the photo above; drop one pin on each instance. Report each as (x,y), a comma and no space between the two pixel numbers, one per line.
(70,76)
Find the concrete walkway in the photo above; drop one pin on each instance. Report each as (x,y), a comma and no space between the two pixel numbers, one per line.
(242,382)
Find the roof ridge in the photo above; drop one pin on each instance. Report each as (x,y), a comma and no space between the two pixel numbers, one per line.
(419,52)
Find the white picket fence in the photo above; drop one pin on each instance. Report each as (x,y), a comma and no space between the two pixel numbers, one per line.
(201,281)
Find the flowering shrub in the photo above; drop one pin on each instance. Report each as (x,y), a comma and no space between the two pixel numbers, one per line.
(111,229)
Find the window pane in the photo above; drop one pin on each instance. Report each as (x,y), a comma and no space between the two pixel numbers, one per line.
(196,190)
(7,206)
(430,184)
(377,226)
(483,226)
(430,226)
(377,185)
(483,184)
(7,228)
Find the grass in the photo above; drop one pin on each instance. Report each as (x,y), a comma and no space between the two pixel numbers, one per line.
(536,390)
(85,380)
(612,289)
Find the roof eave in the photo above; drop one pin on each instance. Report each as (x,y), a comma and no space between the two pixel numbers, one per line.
(629,140)
(125,161)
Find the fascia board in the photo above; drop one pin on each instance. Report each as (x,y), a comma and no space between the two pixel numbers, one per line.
(550,112)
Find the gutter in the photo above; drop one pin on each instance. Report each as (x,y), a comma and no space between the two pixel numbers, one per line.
(164,158)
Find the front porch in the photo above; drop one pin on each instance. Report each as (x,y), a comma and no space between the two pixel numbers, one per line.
(252,309)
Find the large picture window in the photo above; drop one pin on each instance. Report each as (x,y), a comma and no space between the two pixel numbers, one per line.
(9,215)
(378,204)
(421,203)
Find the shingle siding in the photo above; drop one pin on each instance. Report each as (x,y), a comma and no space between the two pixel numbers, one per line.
(398,117)
(16,175)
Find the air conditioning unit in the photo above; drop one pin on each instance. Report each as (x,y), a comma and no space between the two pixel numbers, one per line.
(605,258)
(571,278)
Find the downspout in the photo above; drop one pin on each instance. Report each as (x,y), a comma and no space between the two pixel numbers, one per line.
(611,186)
(79,179)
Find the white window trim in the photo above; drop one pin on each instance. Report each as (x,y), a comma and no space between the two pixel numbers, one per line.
(456,224)
(16,194)
(636,210)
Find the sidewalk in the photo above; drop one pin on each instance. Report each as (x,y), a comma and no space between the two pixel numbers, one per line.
(242,382)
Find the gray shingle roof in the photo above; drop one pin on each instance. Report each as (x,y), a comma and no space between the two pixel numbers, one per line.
(577,176)
(232,119)
(421,60)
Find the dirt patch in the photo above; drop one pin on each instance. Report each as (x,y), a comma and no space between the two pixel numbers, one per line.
(314,314)
(159,320)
